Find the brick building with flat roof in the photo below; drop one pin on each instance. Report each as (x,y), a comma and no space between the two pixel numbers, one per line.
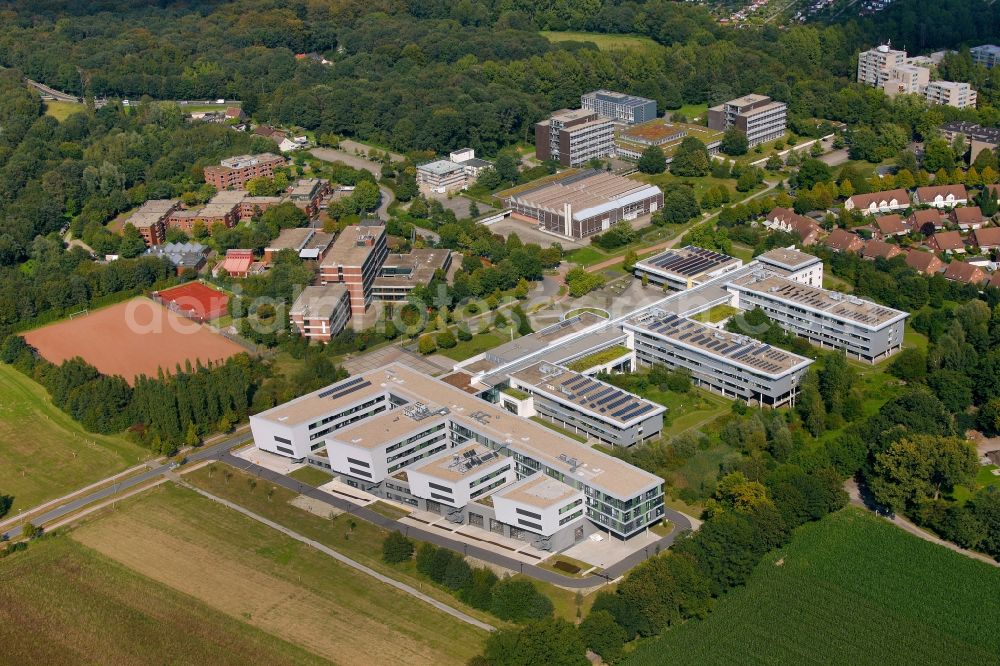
(321,312)
(355,259)
(234,172)
(150,219)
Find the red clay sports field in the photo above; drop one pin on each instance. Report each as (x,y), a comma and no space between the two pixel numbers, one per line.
(195,300)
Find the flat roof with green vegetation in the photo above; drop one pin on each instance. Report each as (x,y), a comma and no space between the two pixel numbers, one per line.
(599,358)
(517,393)
(849,589)
(44,453)
(81,607)
(603,41)
(245,569)
(715,314)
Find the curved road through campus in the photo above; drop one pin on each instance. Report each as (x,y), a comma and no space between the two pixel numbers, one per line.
(222,453)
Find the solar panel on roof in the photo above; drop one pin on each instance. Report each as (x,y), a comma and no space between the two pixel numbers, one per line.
(631,413)
(619,401)
(605,400)
(592,386)
(607,390)
(351,389)
(341,387)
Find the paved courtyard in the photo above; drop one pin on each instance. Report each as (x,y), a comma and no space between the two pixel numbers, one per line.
(603,550)
(392,354)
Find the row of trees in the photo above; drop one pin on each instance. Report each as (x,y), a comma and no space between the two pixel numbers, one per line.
(479,587)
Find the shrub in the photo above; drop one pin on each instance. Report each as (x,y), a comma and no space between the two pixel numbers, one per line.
(397,548)
(519,600)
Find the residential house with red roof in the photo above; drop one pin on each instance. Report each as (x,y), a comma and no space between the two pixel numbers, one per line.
(841,240)
(924,262)
(875,249)
(946,241)
(783,219)
(942,196)
(960,271)
(890,225)
(926,221)
(968,217)
(879,202)
(237,263)
(987,238)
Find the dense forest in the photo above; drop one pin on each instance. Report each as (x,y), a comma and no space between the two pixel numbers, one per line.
(436,75)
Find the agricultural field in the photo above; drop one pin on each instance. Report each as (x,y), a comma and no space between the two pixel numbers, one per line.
(603,41)
(251,573)
(44,453)
(63,603)
(849,589)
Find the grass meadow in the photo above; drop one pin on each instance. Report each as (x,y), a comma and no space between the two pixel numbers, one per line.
(44,453)
(251,573)
(849,589)
(603,41)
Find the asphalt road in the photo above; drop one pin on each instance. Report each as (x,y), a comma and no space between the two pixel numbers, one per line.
(208,453)
(680,521)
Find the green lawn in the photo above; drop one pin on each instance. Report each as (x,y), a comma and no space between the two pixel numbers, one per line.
(311,476)
(62,110)
(984,477)
(603,41)
(701,184)
(44,453)
(741,251)
(850,589)
(688,410)
(914,338)
(477,345)
(690,111)
(587,255)
(78,606)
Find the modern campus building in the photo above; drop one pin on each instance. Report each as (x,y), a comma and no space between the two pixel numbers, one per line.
(573,137)
(397,433)
(584,203)
(321,312)
(987,55)
(582,404)
(736,366)
(632,141)
(757,116)
(234,172)
(951,93)
(355,260)
(619,107)
(863,329)
(794,265)
(682,269)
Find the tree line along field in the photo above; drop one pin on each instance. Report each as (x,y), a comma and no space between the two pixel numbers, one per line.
(44,453)
(848,589)
(268,582)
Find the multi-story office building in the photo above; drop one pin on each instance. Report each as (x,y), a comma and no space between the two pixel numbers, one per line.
(582,404)
(987,55)
(150,219)
(584,203)
(906,80)
(401,273)
(863,329)
(736,366)
(321,312)
(951,93)
(977,137)
(794,265)
(757,116)
(373,429)
(442,176)
(573,137)
(619,107)
(875,65)
(355,259)
(234,172)
(685,267)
